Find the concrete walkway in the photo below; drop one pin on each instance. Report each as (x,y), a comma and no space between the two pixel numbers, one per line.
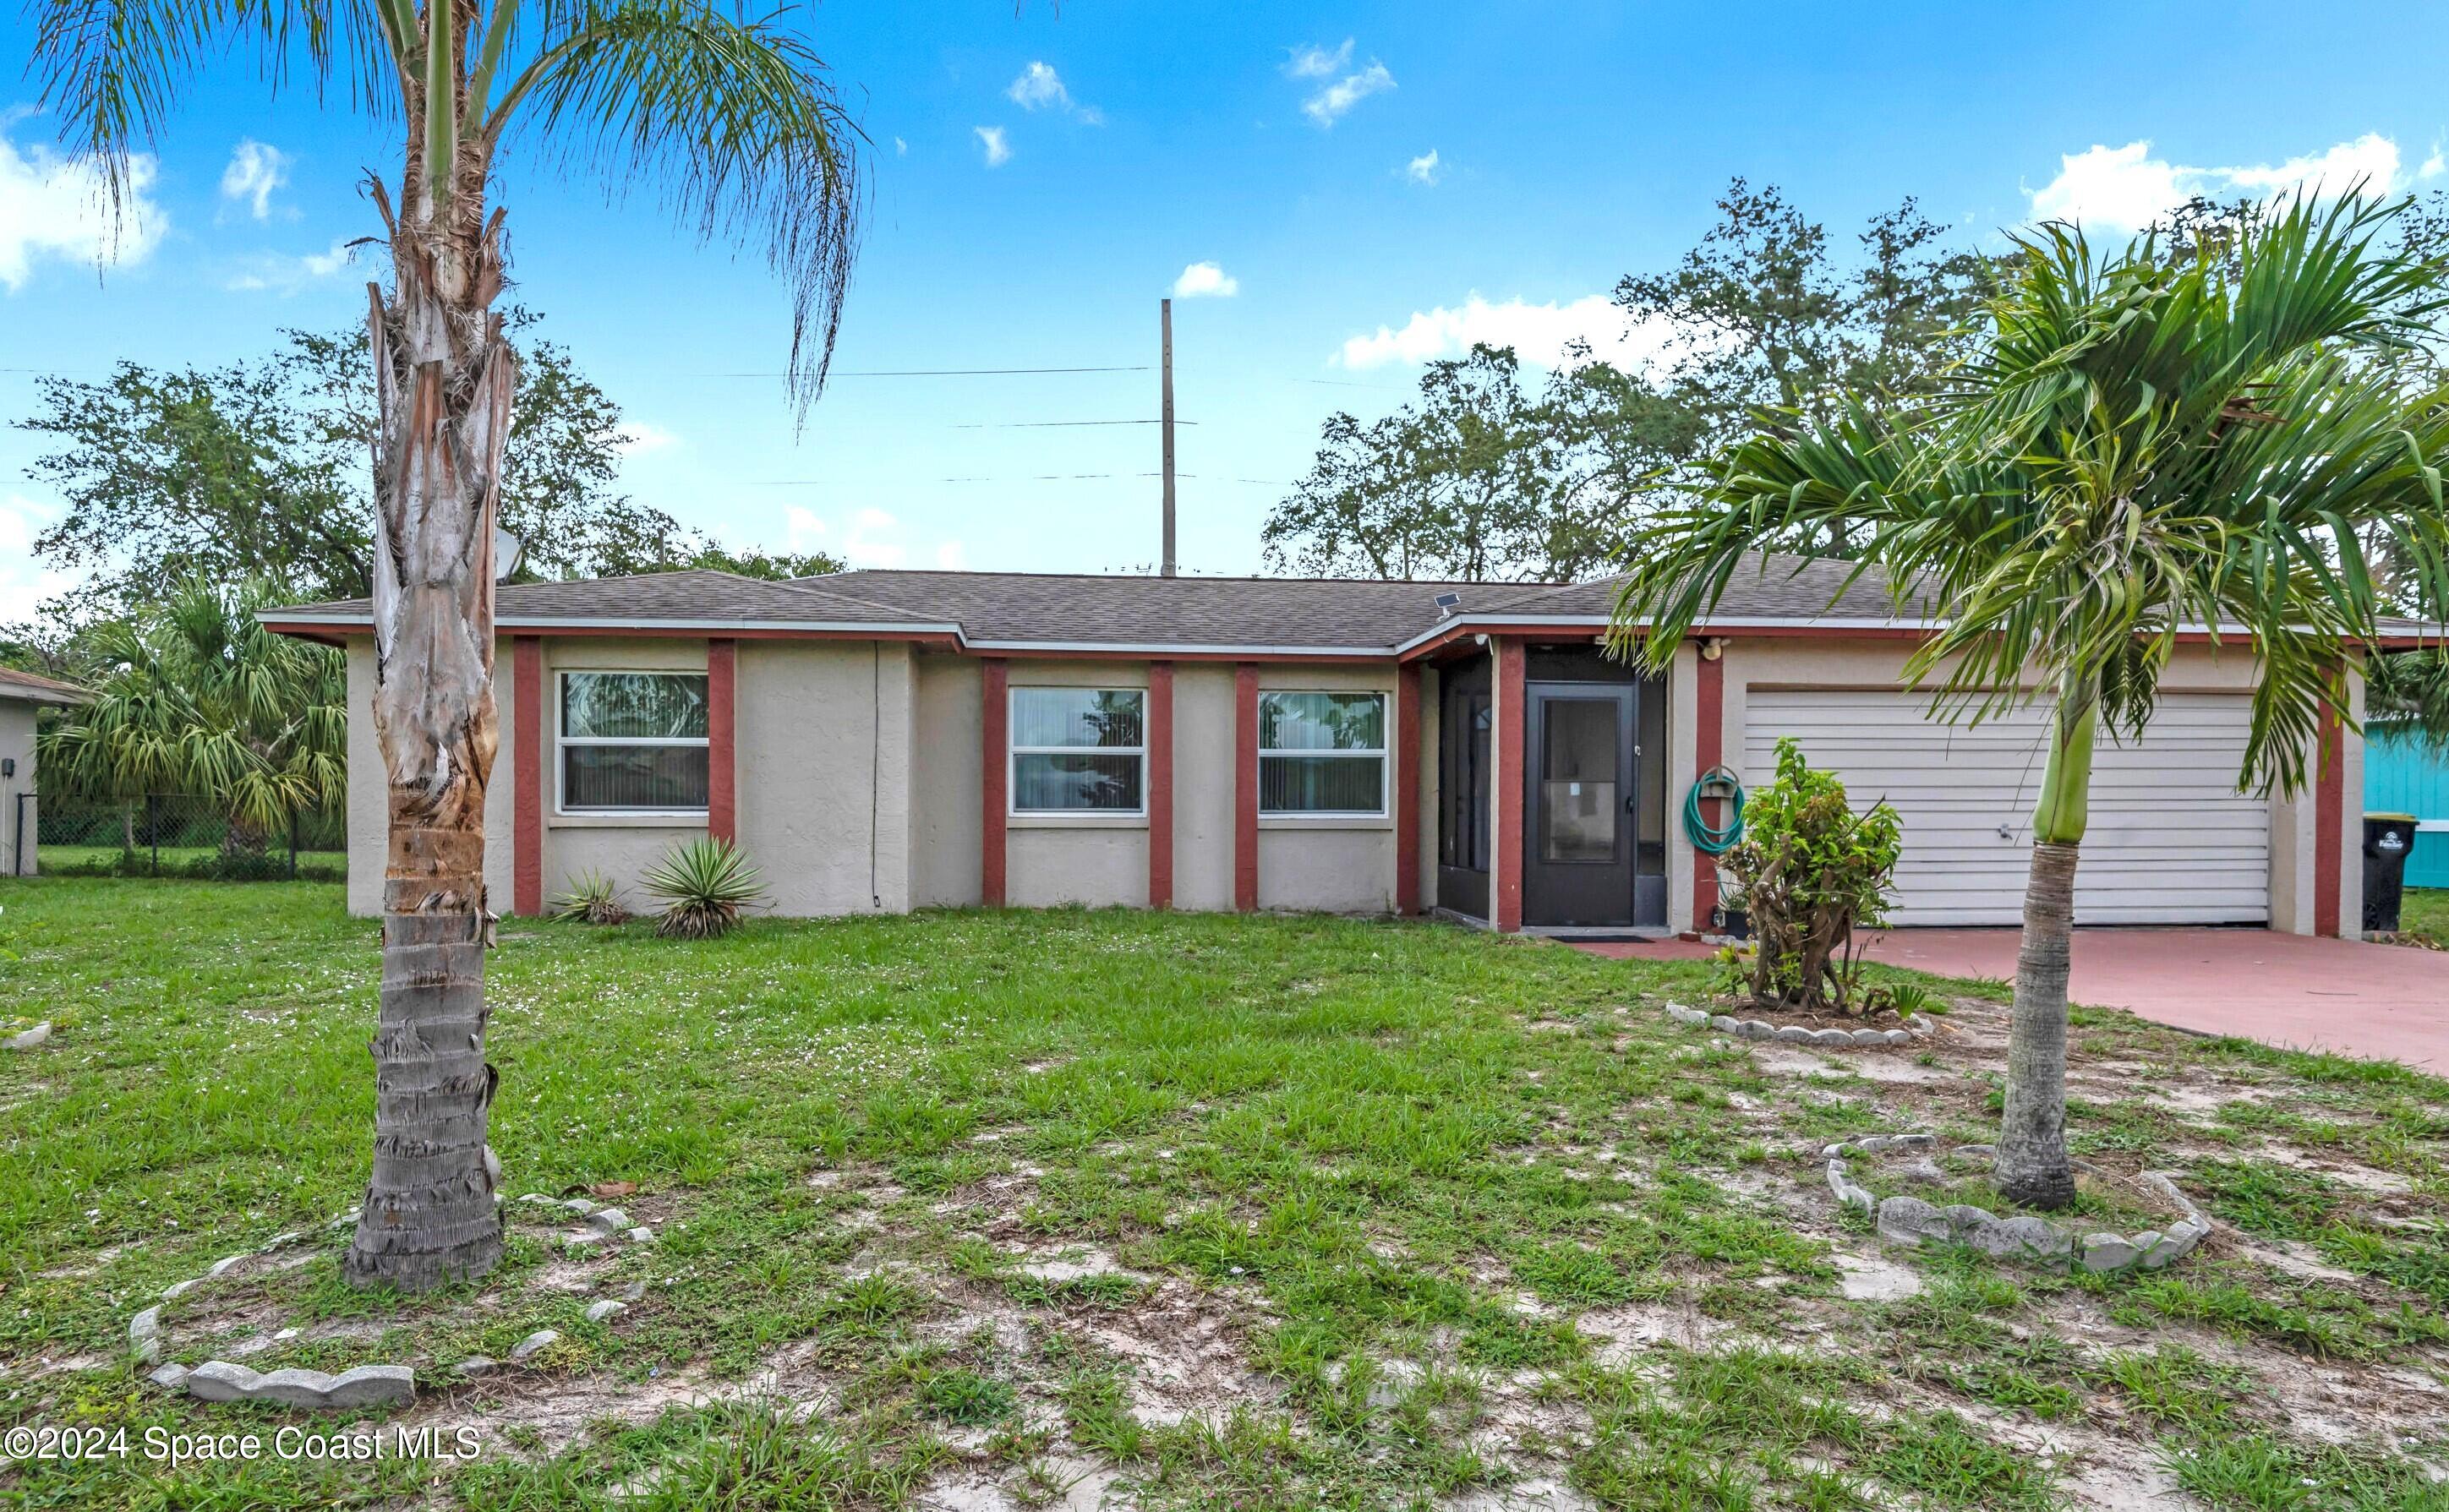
(2385,1001)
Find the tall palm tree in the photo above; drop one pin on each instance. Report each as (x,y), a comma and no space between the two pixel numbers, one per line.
(201,698)
(2146,446)
(738,122)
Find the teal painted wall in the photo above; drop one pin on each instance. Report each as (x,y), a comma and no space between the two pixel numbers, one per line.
(2407,776)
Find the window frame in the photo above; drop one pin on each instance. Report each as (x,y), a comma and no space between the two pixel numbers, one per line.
(1013,751)
(1383,755)
(562,740)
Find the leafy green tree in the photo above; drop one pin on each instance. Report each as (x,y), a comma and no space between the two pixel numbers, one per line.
(1480,478)
(740,124)
(258,468)
(201,698)
(2143,446)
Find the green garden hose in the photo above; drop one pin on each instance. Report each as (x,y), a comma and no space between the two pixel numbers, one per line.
(1718,782)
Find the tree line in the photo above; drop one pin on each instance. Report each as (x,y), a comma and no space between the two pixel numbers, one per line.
(196,497)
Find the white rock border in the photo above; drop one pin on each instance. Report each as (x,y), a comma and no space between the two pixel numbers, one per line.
(1792,1033)
(2027,1240)
(365,1384)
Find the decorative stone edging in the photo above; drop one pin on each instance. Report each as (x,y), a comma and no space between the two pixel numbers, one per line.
(1790,1033)
(365,1384)
(1911,1220)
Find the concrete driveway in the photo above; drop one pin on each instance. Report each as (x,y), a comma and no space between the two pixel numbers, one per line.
(2386,1001)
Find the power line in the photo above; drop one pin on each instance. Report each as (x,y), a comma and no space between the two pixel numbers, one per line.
(1046,425)
(931,373)
(1021,477)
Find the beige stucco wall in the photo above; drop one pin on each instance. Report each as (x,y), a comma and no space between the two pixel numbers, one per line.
(946,758)
(18,851)
(1878,663)
(1203,786)
(824,738)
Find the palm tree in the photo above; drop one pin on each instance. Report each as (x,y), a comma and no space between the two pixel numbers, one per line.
(2146,445)
(747,133)
(201,698)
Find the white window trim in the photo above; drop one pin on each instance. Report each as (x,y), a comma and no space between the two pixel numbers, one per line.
(561,769)
(1014,752)
(1382,756)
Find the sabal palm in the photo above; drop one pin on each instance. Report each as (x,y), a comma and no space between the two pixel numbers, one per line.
(738,124)
(201,698)
(2144,447)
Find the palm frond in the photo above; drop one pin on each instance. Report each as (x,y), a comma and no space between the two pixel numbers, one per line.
(738,120)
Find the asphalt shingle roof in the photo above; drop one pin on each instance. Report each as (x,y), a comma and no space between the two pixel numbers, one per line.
(1024,608)
(34,687)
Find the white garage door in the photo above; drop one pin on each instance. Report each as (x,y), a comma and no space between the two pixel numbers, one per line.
(2170,840)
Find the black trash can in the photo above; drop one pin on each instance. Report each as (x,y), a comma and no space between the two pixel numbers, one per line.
(2387,839)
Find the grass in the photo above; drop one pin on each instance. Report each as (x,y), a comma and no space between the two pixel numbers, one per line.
(2423,917)
(1368,1202)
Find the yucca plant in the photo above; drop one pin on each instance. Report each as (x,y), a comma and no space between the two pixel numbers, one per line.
(704,884)
(590,897)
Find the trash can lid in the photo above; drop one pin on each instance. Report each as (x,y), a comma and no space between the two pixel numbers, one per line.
(2406,817)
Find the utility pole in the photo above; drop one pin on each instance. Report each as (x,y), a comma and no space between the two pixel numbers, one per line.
(1164,325)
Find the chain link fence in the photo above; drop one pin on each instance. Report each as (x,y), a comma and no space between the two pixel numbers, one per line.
(175,834)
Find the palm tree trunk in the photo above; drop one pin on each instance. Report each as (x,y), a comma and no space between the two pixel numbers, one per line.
(443,380)
(2032,1167)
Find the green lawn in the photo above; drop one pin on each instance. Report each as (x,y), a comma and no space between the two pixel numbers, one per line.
(2424,915)
(1238,1213)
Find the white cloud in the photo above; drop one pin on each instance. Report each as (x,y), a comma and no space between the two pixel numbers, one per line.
(255,171)
(1328,106)
(636,438)
(1205,280)
(1540,333)
(1310,61)
(2433,166)
(282,274)
(870,538)
(1039,87)
(57,207)
(24,584)
(1423,169)
(2127,189)
(900,148)
(998,152)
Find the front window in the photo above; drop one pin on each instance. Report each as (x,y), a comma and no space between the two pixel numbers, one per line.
(1078,750)
(1323,753)
(633,742)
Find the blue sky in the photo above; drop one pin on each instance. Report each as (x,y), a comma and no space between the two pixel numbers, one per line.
(1355,176)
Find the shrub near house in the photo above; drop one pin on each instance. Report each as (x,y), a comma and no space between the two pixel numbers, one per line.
(1812,872)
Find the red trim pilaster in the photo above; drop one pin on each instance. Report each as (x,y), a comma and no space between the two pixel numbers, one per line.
(1245,786)
(723,776)
(996,770)
(1708,750)
(2329,823)
(1408,818)
(1512,714)
(1160,795)
(526,775)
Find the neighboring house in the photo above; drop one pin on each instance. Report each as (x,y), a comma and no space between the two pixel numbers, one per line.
(22,694)
(879,742)
(2410,776)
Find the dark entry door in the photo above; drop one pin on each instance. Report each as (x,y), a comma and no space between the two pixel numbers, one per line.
(1578,861)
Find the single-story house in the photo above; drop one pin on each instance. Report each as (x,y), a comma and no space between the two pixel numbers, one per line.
(877,741)
(22,694)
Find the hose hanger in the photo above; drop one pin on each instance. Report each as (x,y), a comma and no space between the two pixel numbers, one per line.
(1714,839)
